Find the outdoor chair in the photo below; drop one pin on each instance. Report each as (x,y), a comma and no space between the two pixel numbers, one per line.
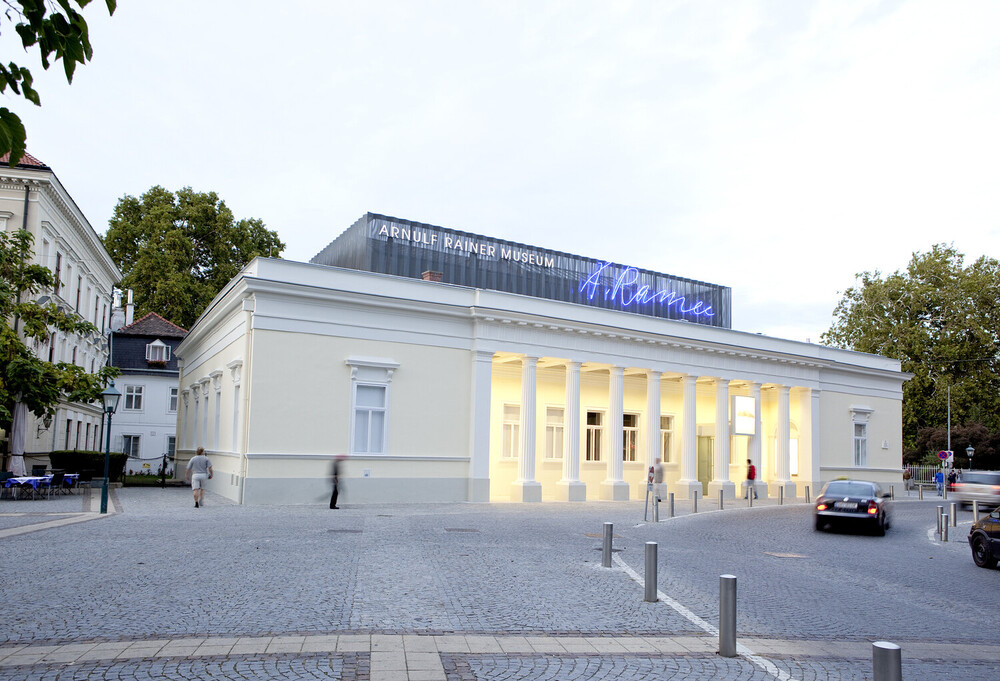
(37,471)
(86,477)
(55,482)
(4,490)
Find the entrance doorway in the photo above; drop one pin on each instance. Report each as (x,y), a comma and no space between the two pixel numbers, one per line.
(706,461)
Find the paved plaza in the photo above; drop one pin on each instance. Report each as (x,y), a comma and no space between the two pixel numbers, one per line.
(159,589)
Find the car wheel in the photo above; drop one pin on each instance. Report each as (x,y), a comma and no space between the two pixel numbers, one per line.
(981,553)
(820,524)
(880,526)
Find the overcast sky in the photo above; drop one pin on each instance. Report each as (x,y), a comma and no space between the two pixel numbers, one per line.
(778,148)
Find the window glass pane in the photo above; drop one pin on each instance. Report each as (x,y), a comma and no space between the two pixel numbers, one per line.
(511,412)
(593,418)
(361,431)
(554,415)
(371,396)
(377,431)
(629,420)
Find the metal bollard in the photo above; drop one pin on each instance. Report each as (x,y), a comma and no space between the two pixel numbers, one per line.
(656,509)
(892,493)
(944,488)
(887,662)
(721,503)
(671,509)
(650,572)
(975,511)
(606,547)
(727,615)
(940,512)
(920,492)
(781,496)
(807,494)
(944,527)
(751,491)
(954,514)
(695,502)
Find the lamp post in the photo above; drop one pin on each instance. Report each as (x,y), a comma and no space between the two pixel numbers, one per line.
(970,450)
(110,397)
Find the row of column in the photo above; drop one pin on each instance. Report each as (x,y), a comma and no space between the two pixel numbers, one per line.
(570,488)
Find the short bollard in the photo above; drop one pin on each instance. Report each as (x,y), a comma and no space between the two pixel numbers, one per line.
(892,493)
(751,493)
(606,546)
(940,513)
(954,514)
(807,494)
(727,615)
(694,507)
(920,492)
(650,596)
(975,511)
(721,503)
(781,496)
(670,510)
(887,662)
(944,527)
(944,487)
(656,509)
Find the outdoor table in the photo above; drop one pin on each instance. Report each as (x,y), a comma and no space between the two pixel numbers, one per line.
(36,480)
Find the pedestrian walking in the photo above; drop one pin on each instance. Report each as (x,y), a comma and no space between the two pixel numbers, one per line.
(939,482)
(336,480)
(199,472)
(659,489)
(751,477)
(906,479)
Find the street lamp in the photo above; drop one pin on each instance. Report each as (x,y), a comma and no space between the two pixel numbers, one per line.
(110,397)
(970,450)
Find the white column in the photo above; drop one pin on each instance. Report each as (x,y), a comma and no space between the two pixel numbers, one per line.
(781,449)
(653,452)
(753,447)
(570,488)
(479,435)
(525,488)
(614,488)
(815,445)
(720,476)
(689,439)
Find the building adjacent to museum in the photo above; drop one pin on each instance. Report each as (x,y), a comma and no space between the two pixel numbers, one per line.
(456,367)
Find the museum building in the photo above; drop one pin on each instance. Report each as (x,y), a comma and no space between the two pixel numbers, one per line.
(451,366)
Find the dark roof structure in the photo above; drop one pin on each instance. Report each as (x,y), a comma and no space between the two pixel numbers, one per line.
(153,325)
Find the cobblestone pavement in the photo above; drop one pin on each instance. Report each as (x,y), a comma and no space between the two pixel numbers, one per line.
(159,589)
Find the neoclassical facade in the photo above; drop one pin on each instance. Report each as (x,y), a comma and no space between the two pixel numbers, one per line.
(443,392)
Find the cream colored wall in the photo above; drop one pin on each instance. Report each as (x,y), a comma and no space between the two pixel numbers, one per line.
(837,432)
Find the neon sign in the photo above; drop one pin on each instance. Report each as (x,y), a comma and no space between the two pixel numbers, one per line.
(626,290)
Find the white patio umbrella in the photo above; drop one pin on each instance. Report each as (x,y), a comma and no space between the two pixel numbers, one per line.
(17,433)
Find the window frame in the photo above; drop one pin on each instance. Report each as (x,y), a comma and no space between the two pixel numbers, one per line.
(137,439)
(159,346)
(630,432)
(173,395)
(511,424)
(383,410)
(130,393)
(667,439)
(594,445)
(553,432)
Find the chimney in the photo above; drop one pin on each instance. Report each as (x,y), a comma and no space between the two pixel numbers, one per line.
(129,309)
(430,275)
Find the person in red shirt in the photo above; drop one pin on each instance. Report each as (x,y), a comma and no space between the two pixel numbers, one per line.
(751,477)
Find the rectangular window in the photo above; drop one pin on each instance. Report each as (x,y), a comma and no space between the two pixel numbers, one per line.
(58,272)
(133,398)
(79,290)
(511,431)
(157,352)
(130,445)
(69,431)
(630,434)
(86,438)
(369,419)
(171,446)
(554,425)
(666,438)
(860,444)
(172,401)
(595,434)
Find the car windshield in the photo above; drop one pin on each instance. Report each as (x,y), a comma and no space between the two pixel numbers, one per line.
(850,489)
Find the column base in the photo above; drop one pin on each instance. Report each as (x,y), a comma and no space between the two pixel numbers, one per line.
(759,487)
(614,490)
(776,485)
(571,490)
(684,489)
(728,489)
(479,489)
(527,491)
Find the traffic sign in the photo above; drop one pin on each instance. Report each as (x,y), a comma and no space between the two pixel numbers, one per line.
(944,455)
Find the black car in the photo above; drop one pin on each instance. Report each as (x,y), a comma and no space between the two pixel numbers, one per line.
(853,501)
(984,538)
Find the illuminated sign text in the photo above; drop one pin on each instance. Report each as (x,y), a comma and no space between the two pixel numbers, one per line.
(626,291)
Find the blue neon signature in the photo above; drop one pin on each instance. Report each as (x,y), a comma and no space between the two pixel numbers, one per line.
(627,291)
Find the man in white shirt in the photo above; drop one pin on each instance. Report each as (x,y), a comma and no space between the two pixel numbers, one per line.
(199,472)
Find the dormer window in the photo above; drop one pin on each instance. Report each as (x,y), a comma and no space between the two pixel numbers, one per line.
(158,351)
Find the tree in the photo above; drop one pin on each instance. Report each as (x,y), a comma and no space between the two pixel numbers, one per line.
(24,377)
(177,251)
(59,35)
(942,321)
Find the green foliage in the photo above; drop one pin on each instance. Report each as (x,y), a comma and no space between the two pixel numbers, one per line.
(77,461)
(177,251)
(41,385)
(61,34)
(941,319)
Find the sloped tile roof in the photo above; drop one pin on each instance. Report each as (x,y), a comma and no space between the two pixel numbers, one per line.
(153,325)
(26,160)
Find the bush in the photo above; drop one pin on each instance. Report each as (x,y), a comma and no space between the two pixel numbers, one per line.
(77,461)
